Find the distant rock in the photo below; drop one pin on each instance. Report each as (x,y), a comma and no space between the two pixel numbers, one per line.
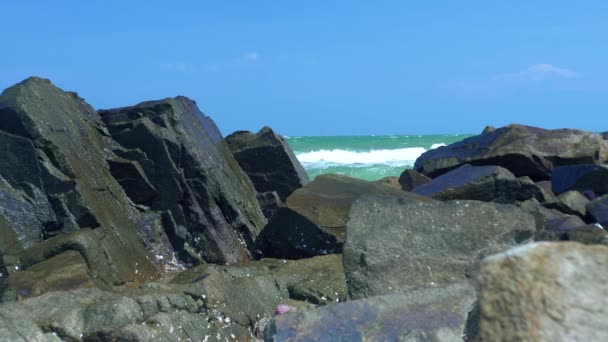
(175,163)
(523,150)
(313,221)
(482,183)
(580,177)
(545,292)
(268,161)
(396,246)
(410,179)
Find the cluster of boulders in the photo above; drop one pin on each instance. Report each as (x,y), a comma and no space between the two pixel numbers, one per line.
(143,224)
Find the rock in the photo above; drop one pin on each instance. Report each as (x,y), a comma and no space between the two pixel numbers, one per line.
(313,221)
(409,179)
(523,150)
(395,246)
(547,187)
(391,181)
(268,161)
(182,169)
(488,129)
(270,203)
(580,177)
(604,135)
(598,209)
(433,314)
(482,183)
(57,147)
(570,202)
(545,292)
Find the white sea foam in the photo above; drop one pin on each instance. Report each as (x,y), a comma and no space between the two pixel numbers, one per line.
(396,157)
(437,145)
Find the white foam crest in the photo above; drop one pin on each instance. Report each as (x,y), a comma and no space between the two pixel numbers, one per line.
(434,146)
(396,157)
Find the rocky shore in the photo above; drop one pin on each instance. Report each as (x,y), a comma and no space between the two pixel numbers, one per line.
(144,224)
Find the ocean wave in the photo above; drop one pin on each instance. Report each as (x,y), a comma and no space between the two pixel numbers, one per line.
(396,157)
(434,146)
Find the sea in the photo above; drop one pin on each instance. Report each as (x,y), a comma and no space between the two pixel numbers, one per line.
(366,157)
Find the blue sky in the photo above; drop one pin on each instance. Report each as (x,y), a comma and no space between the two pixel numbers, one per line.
(325,67)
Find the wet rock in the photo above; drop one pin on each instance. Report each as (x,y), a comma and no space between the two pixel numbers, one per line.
(313,221)
(523,150)
(570,202)
(598,210)
(437,314)
(580,177)
(545,292)
(394,246)
(268,161)
(208,204)
(482,183)
(410,179)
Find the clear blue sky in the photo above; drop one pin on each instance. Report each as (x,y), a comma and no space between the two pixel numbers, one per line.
(325,67)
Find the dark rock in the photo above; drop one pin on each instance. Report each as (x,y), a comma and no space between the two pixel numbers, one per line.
(433,314)
(570,202)
(580,177)
(598,209)
(391,181)
(270,203)
(545,292)
(313,221)
(210,212)
(57,151)
(488,129)
(268,161)
(409,179)
(604,135)
(589,234)
(483,183)
(523,150)
(393,246)
(547,188)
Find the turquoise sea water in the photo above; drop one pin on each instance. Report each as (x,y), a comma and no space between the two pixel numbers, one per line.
(366,157)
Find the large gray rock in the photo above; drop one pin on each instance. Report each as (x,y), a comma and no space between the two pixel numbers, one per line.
(181,168)
(598,210)
(570,202)
(580,177)
(395,246)
(523,150)
(482,183)
(545,292)
(268,161)
(433,314)
(57,182)
(313,221)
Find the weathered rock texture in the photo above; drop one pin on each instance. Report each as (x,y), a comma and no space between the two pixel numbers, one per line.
(175,163)
(55,182)
(580,177)
(523,150)
(545,292)
(313,221)
(434,314)
(392,246)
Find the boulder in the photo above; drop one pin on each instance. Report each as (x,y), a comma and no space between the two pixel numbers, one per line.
(395,246)
(545,292)
(523,150)
(176,164)
(598,210)
(432,314)
(391,181)
(587,177)
(313,221)
(570,202)
(268,161)
(409,179)
(55,168)
(482,183)
(547,187)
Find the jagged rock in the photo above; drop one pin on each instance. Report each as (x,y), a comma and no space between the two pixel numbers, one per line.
(57,150)
(598,209)
(313,221)
(270,203)
(570,202)
(410,179)
(580,177)
(523,150)
(391,181)
(393,246)
(545,292)
(268,161)
(433,314)
(208,205)
(482,183)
